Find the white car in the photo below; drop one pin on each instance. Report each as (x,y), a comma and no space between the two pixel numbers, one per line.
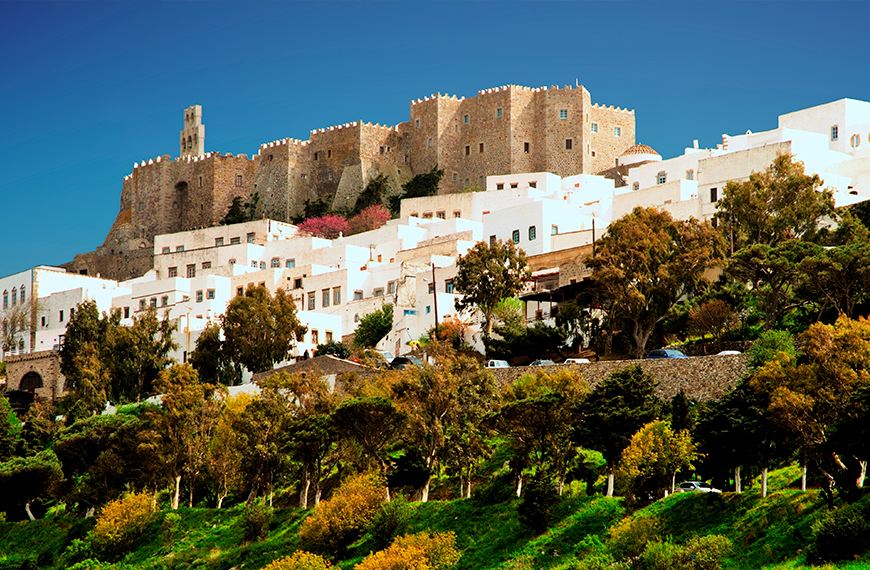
(700,486)
(728,352)
(497,364)
(576,361)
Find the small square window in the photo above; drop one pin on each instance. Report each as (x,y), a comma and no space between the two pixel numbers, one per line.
(835,133)
(498,112)
(515,185)
(276,262)
(465,119)
(254,264)
(191,271)
(206,264)
(431,288)
(262,265)
(593,127)
(315,336)
(635,186)
(515,235)
(240,291)
(569,144)
(491,241)
(455,177)
(325,298)
(440,215)
(153,302)
(218,241)
(617,131)
(499,186)
(297,283)
(164,300)
(532,233)
(533,184)
(232,262)
(250,238)
(179,248)
(199,296)
(209,294)
(690,175)
(166,250)
(312,301)
(457,214)
(563,113)
(379,292)
(714,195)
(290,263)
(554,230)
(141,307)
(448,286)
(661,177)
(357,295)
(336,295)
(235,241)
(173,272)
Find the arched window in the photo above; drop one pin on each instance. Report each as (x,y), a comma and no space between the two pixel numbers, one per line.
(856,140)
(30,382)
(189,142)
(23,295)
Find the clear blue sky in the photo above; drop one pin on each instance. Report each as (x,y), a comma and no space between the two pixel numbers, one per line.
(87,88)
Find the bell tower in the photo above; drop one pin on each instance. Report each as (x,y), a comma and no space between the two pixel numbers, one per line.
(192,141)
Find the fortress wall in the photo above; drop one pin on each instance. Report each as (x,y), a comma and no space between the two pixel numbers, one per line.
(606,145)
(483,127)
(281,177)
(524,113)
(332,149)
(555,131)
(428,114)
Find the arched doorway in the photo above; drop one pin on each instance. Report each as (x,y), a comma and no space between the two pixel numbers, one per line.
(30,382)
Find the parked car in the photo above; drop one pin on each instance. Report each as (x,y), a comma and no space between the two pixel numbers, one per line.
(542,362)
(576,361)
(405,362)
(497,364)
(727,352)
(665,353)
(376,358)
(700,486)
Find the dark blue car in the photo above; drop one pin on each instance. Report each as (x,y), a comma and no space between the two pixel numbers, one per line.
(665,353)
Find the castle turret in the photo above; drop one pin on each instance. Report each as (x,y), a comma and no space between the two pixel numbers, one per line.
(192,141)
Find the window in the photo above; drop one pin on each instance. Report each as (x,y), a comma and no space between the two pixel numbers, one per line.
(153,302)
(164,300)
(481,148)
(526,147)
(173,272)
(617,131)
(563,113)
(250,238)
(206,264)
(276,262)
(428,309)
(262,265)
(515,235)
(714,195)
(379,292)
(593,127)
(467,150)
(336,295)
(457,214)
(356,317)
(467,181)
(835,133)
(297,283)
(430,142)
(290,263)
(43,318)
(856,141)
(661,177)
(491,240)
(533,184)
(391,287)
(448,286)
(238,179)
(357,295)
(465,119)
(179,248)
(315,336)
(60,313)
(635,186)
(141,307)
(417,123)
(166,250)
(715,222)
(5,299)
(532,233)
(218,241)
(209,294)
(455,177)
(569,144)
(14,297)
(382,150)
(235,241)
(499,186)
(191,271)
(200,179)
(199,296)
(316,155)
(325,298)
(311,301)
(232,262)
(126,314)
(690,174)
(440,215)
(554,230)
(498,112)
(240,291)
(514,185)
(430,288)
(254,264)
(328,336)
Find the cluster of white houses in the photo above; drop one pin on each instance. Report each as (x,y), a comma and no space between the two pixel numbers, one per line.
(411,261)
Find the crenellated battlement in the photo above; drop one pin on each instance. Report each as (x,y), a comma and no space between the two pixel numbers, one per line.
(435,97)
(612,108)
(283,142)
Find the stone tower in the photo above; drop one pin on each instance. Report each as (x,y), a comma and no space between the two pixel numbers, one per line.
(192,141)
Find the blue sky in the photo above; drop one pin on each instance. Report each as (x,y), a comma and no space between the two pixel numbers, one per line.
(87,88)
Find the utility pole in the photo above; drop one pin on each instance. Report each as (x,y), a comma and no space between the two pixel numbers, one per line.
(435,298)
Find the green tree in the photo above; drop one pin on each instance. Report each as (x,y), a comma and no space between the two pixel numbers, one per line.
(135,355)
(372,194)
(335,348)
(650,463)
(210,358)
(260,329)
(31,478)
(779,204)
(486,275)
(647,262)
(83,358)
(10,430)
(373,327)
(839,276)
(241,211)
(613,412)
(425,184)
(767,346)
(713,317)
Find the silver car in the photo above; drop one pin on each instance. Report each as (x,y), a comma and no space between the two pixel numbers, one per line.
(689,486)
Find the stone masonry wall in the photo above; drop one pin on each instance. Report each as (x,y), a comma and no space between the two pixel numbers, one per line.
(46,363)
(702,377)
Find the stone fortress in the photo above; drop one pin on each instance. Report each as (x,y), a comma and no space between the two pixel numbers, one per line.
(502,130)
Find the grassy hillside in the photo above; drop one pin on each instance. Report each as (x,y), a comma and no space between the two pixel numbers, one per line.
(766,533)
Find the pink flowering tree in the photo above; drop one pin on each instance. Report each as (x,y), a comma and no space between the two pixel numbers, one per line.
(328,226)
(371,218)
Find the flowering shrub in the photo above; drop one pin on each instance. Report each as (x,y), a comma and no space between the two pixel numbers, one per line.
(369,219)
(120,523)
(422,551)
(300,560)
(328,226)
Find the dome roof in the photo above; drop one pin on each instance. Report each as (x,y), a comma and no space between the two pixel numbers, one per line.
(639,149)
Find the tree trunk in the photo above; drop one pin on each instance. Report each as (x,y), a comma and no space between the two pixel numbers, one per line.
(221,497)
(190,499)
(610,476)
(29,514)
(673,482)
(737,485)
(303,493)
(764,482)
(804,477)
(860,482)
(561,485)
(519,483)
(424,492)
(90,512)
(468,488)
(177,494)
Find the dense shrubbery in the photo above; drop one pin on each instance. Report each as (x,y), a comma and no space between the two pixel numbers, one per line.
(841,533)
(255,521)
(121,523)
(300,560)
(421,551)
